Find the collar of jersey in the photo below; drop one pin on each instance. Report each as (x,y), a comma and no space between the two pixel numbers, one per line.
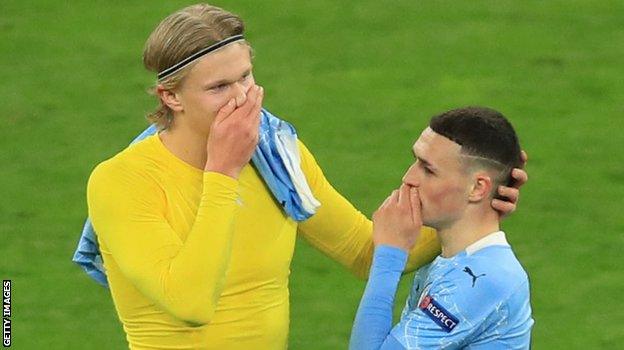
(494,238)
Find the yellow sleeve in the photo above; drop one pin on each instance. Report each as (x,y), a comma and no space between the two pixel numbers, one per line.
(183,278)
(343,233)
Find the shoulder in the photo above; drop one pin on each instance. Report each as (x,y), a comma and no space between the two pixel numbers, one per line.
(134,166)
(309,166)
(491,274)
(473,287)
(475,283)
(453,300)
(498,266)
(304,151)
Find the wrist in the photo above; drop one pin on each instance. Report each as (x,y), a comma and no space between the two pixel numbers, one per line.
(227,171)
(390,257)
(404,246)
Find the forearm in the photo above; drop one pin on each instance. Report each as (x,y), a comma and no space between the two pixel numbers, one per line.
(193,281)
(426,249)
(340,231)
(373,320)
(183,276)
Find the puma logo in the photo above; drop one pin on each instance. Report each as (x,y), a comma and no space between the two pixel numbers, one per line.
(474,277)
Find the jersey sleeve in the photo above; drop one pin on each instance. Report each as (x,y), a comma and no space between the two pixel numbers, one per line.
(185,278)
(342,232)
(450,313)
(373,320)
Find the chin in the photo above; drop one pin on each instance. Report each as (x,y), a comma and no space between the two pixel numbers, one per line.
(432,225)
(436,222)
(429,223)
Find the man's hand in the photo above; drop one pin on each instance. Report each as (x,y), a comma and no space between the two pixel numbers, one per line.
(398,220)
(234,134)
(511,193)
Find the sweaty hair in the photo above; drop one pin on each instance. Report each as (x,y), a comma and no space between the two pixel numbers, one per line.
(177,37)
(486,137)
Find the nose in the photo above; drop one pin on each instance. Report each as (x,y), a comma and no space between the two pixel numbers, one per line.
(240,93)
(411,177)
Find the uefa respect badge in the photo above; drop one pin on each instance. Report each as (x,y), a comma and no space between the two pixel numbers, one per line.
(438,313)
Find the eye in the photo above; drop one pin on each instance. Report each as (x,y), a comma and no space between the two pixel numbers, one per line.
(219,87)
(425,168)
(245,77)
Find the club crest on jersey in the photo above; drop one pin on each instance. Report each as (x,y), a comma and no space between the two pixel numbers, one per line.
(438,313)
(424,292)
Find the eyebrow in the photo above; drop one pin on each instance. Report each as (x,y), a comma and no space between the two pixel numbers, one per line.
(421,159)
(215,83)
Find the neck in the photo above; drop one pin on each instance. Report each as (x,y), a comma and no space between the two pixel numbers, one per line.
(474,225)
(186,144)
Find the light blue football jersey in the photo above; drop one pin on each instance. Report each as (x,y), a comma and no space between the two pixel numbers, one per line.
(477,299)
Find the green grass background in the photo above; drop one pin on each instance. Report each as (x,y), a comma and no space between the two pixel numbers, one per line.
(359,79)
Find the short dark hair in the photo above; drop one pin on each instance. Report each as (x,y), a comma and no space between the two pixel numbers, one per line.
(484,134)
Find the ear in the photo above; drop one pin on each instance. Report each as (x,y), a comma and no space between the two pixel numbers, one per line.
(169,98)
(481,187)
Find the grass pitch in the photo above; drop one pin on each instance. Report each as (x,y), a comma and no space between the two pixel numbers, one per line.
(359,80)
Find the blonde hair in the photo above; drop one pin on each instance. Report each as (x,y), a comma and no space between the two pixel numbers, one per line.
(177,37)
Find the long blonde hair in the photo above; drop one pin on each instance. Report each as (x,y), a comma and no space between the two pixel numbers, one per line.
(177,37)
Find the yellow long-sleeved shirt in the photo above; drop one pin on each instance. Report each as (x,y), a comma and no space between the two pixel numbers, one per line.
(201,261)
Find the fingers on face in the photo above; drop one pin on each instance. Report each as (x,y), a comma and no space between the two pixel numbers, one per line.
(226,110)
(510,193)
(258,106)
(249,112)
(415,205)
(250,107)
(245,96)
(260,98)
(414,199)
(395,196)
(392,198)
(250,101)
(404,195)
(385,202)
(503,207)
(254,102)
(525,158)
(520,177)
(241,99)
